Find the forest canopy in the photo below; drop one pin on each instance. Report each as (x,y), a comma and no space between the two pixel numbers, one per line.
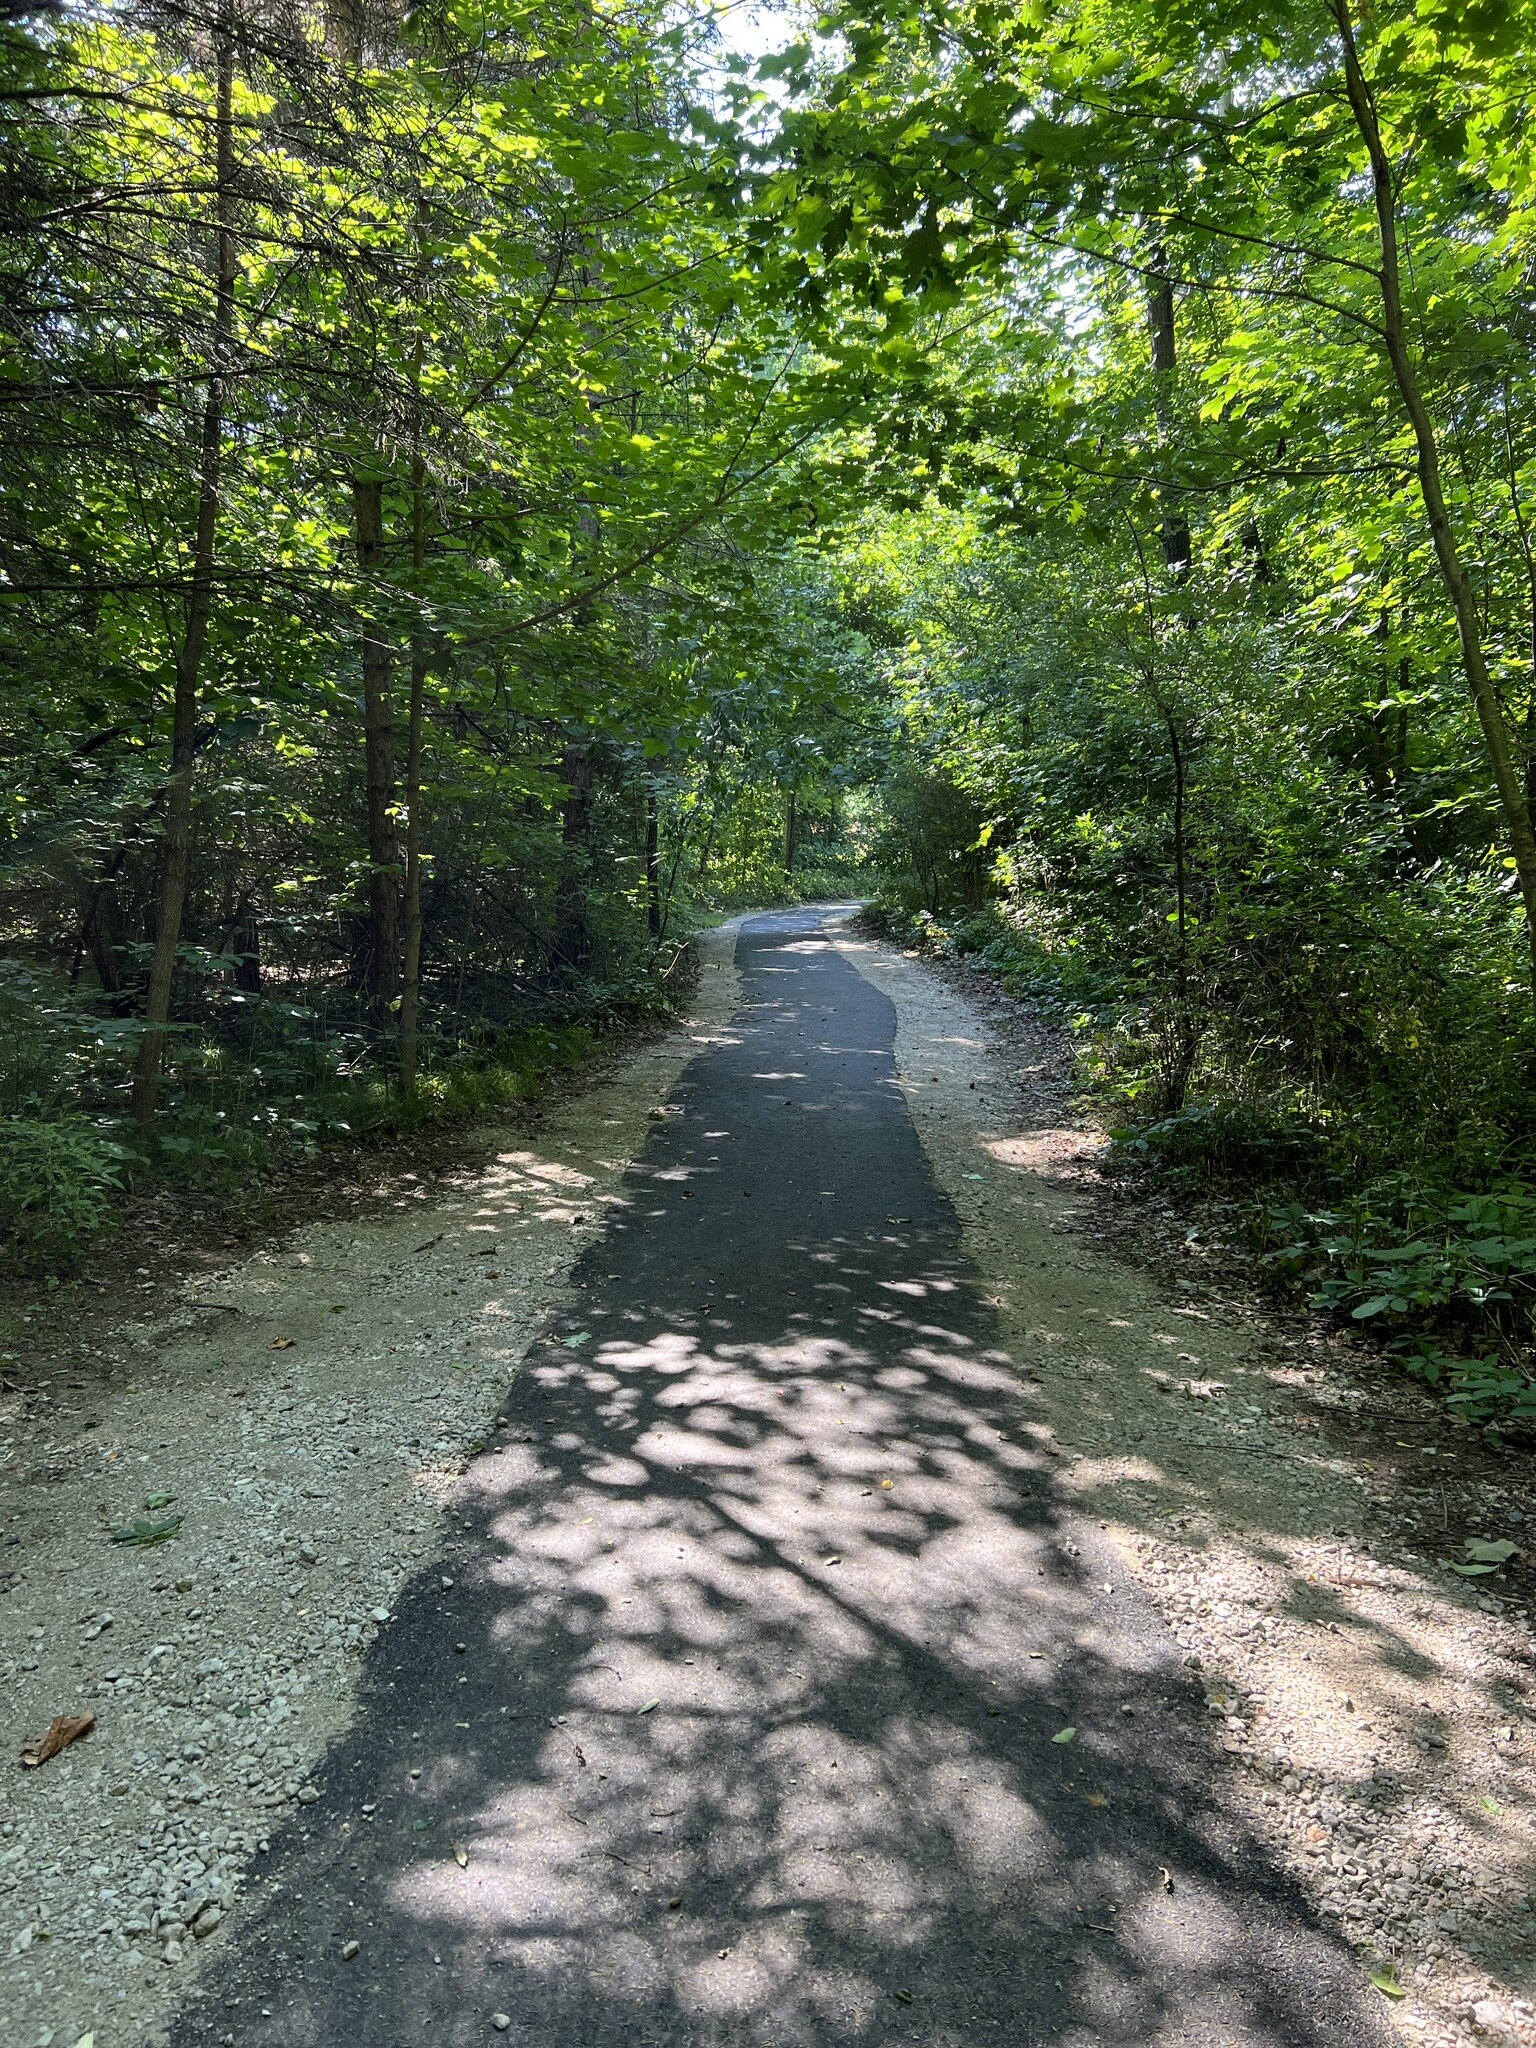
(484,487)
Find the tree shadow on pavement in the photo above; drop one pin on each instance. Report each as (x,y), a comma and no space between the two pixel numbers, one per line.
(769,1695)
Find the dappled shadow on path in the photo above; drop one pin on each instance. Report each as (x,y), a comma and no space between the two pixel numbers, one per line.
(745,1716)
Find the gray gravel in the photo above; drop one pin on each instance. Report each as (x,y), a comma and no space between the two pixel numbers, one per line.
(1377,1714)
(310,1411)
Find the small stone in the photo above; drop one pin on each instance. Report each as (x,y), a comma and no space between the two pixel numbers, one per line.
(171,1953)
(349,1949)
(206,1922)
(501,2021)
(380,1614)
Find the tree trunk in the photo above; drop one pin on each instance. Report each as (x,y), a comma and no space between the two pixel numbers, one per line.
(1176,542)
(1502,745)
(1186,1037)
(791,832)
(652,863)
(379,764)
(244,944)
(410,993)
(176,847)
(709,847)
(573,926)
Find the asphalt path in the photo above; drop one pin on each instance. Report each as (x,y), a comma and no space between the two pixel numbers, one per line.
(775,1698)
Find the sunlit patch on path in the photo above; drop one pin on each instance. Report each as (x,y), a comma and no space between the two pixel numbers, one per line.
(768,1696)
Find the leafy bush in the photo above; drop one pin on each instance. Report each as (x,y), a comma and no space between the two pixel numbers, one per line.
(1062,981)
(1481,1389)
(54,1045)
(1209,1141)
(1427,1268)
(1398,1250)
(57,1180)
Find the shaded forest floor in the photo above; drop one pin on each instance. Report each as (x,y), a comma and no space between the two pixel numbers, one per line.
(166,1230)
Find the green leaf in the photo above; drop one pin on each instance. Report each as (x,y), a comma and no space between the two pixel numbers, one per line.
(1379,1304)
(1386,1982)
(1065,1735)
(144,1532)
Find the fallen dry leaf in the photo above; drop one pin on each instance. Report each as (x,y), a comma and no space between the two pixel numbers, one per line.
(62,1730)
(282,1343)
(460,1855)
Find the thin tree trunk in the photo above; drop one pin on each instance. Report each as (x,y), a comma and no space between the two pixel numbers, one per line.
(1188,1038)
(176,847)
(573,927)
(1176,542)
(410,993)
(1502,744)
(245,944)
(791,828)
(709,847)
(652,863)
(379,763)
(85,934)
(344,21)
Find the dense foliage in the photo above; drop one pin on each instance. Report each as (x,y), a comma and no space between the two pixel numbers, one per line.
(398,508)
(1211,642)
(478,486)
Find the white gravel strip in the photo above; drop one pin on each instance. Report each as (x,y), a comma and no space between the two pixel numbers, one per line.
(307,1412)
(1377,1713)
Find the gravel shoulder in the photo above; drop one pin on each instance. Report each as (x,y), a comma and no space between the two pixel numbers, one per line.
(1293,1522)
(305,1412)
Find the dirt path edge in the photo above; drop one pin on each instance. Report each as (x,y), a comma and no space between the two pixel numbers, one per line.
(290,1428)
(1376,1712)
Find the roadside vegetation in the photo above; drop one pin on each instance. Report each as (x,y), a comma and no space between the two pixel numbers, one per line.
(402,639)
(481,492)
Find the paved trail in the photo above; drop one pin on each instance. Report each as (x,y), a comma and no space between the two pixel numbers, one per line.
(740,1706)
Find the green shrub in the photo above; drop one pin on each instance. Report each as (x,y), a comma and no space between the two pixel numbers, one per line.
(1483,1389)
(57,1180)
(1438,1272)
(1217,1141)
(1406,1251)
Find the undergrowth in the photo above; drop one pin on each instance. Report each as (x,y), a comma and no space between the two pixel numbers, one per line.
(1335,1192)
(235,1109)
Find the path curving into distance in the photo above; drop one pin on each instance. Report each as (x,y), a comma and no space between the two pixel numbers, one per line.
(741,1707)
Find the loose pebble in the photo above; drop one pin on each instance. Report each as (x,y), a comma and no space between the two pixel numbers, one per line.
(223,1664)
